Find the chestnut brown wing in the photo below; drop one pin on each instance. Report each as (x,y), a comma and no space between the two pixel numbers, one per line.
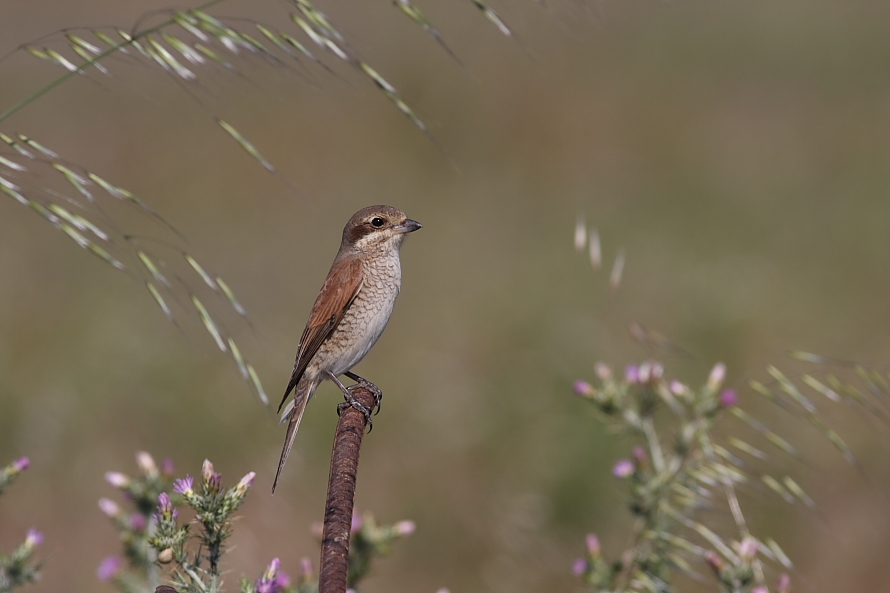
(342,285)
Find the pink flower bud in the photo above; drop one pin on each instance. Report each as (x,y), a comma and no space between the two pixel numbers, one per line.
(728,398)
(644,372)
(147,464)
(306,567)
(138,522)
(583,388)
(108,568)
(117,479)
(623,469)
(631,374)
(207,470)
(246,481)
(20,464)
(657,372)
(784,584)
(748,549)
(718,374)
(404,528)
(109,507)
(579,567)
(593,545)
(602,370)
(33,539)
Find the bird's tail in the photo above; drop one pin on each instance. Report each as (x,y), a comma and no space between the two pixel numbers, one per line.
(295,410)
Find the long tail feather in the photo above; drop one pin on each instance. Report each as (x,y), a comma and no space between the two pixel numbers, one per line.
(296,414)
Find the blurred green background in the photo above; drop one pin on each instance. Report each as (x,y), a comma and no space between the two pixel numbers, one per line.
(737,152)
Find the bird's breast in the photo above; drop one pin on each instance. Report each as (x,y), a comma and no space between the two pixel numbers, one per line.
(368,315)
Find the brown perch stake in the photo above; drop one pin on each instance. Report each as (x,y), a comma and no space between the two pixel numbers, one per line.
(333,572)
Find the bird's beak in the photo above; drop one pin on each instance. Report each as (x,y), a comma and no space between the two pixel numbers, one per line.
(408,227)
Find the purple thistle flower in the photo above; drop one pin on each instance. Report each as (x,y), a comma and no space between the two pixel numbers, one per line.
(164,504)
(215,482)
(273,580)
(183,485)
(623,469)
(33,539)
(579,567)
(784,584)
(583,388)
(108,568)
(632,374)
(138,522)
(20,464)
(728,398)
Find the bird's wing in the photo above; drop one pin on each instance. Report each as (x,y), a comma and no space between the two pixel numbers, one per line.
(336,296)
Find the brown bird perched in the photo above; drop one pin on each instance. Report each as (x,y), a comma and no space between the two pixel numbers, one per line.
(350,312)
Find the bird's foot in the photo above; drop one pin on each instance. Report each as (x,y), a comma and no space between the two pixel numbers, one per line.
(352,402)
(362,382)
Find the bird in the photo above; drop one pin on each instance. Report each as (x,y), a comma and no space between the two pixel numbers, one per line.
(349,314)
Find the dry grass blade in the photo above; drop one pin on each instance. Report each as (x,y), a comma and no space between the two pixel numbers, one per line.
(418,17)
(766,432)
(209,324)
(246,145)
(80,204)
(493,17)
(156,295)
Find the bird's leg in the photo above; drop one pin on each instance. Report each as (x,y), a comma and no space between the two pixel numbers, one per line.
(351,401)
(378,395)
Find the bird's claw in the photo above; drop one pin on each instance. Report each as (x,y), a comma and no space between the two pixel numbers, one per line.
(362,382)
(352,402)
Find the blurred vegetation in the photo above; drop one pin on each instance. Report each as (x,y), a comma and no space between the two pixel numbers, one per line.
(736,153)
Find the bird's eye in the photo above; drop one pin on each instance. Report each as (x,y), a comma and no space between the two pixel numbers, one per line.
(377,222)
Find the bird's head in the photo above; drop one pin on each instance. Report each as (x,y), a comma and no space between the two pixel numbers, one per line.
(377,228)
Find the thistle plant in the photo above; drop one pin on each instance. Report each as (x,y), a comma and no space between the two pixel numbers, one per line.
(134,521)
(17,568)
(370,540)
(161,546)
(678,468)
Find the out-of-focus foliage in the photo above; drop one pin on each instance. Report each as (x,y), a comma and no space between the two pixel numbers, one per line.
(18,568)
